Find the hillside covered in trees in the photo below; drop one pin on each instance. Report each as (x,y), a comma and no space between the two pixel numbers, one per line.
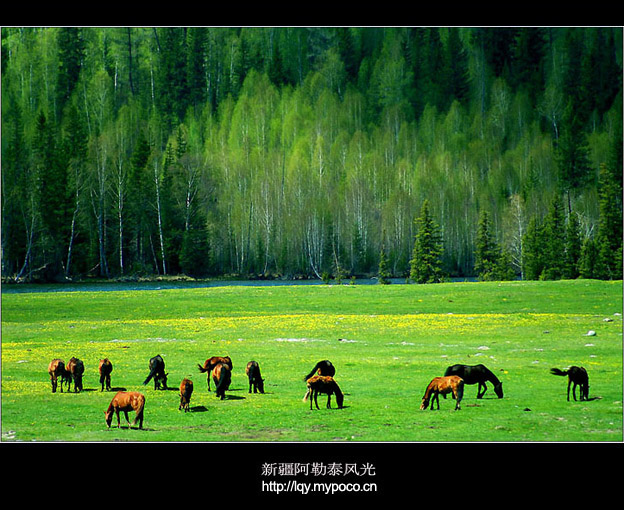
(299,151)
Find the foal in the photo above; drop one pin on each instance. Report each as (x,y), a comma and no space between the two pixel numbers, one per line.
(443,385)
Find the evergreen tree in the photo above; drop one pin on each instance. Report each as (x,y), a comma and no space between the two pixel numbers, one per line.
(587,261)
(573,247)
(426,262)
(554,242)
(532,250)
(609,235)
(487,252)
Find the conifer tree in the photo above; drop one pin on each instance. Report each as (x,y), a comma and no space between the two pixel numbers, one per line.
(426,262)
(554,242)
(383,273)
(573,247)
(532,250)
(486,253)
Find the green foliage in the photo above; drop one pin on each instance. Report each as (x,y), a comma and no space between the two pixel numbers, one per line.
(293,142)
(426,262)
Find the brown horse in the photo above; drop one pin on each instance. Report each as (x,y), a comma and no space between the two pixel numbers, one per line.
(105,368)
(443,385)
(255,379)
(576,376)
(211,363)
(186,390)
(323,384)
(56,369)
(222,377)
(75,367)
(126,401)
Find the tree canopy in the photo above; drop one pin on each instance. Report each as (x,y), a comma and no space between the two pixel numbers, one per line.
(298,150)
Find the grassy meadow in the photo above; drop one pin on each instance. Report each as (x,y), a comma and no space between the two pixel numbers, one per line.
(387,343)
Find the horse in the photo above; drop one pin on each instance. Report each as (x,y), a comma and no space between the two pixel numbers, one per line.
(56,369)
(157,372)
(473,374)
(75,368)
(105,368)
(323,384)
(186,390)
(324,367)
(255,379)
(443,385)
(126,401)
(222,377)
(210,363)
(577,376)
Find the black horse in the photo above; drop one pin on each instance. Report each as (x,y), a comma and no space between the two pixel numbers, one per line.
(255,378)
(577,376)
(473,374)
(157,372)
(324,367)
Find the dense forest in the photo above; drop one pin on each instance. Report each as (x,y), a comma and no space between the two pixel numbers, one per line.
(311,152)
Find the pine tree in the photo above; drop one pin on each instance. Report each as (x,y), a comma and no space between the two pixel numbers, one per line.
(573,247)
(486,253)
(554,242)
(609,235)
(532,250)
(426,262)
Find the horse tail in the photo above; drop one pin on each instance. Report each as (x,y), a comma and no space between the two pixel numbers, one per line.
(556,371)
(460,390)
(305,397)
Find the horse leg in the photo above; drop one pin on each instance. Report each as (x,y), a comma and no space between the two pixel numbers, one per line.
(574,391)
(316,399)
(329,401)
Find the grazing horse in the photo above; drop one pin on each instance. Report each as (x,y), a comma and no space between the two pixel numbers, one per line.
(186,390)
(210,363)
(443,385)
(324,367)
(577,376)
(255,379)
(473,374)
(105,368)
(75,367)
(126,401)
(157,372)
(56,369)
(323,384)
(222,377)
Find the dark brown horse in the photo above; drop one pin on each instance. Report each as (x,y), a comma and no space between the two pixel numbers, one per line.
(75,367)
(211,363)
(157,372)
(577,376)
(105,368)
(186,390)
(324,367)
(56,369)
(255,379)
(442,386)
(323,384)
(126,401)
(477,374)
(222,377)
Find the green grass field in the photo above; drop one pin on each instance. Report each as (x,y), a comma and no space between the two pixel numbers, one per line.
(387,343)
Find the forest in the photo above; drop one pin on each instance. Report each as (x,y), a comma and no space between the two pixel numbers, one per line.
(302,152)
